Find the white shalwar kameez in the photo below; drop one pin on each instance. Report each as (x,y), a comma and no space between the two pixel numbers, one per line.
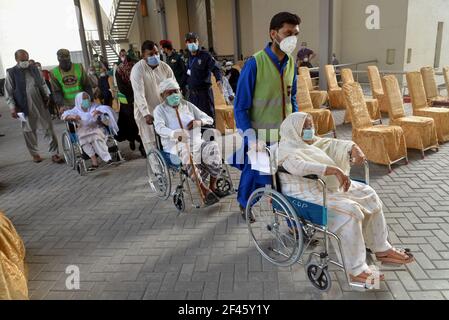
(355,216)
(145,82)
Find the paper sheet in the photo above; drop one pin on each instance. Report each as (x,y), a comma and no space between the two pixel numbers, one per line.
(22,117)
(259,161)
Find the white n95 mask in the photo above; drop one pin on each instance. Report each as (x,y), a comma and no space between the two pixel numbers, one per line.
(288,45)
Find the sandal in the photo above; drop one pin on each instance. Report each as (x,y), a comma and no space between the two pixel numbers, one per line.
(243,213)
(363,277)
(396,256)
(211,199)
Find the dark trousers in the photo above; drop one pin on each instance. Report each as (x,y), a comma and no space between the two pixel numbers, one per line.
(204,100)
(2,87)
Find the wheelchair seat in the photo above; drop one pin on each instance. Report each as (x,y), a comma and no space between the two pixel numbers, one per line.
(172,161)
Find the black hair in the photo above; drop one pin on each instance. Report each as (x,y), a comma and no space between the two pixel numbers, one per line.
(278,21)
(16,54)
(167,45)
(148,45)
(123,50)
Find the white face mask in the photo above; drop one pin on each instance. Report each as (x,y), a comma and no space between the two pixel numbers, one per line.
(24,64)
(288,45)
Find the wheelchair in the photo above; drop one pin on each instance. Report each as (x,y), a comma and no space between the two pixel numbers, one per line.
(162,169)
(74,155)
(286,228)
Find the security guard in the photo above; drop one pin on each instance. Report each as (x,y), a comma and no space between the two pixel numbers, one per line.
(199,68)
(67,80)
(176,62)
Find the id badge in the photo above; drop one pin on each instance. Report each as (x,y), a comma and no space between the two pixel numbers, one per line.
(189,72)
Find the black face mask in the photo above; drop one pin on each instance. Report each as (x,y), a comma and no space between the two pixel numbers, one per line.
(65,65)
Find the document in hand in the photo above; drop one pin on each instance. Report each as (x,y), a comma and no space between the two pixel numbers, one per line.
(260,161)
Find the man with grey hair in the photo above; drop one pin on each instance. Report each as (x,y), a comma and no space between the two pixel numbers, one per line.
(27,96)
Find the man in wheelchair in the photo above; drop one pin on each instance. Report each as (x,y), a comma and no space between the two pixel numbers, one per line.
(93,125)
(179,123)
(355,210)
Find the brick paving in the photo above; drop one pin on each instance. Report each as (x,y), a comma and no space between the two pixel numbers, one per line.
(130,245)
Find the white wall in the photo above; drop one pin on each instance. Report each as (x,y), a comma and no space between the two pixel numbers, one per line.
(422,33)
(358,43)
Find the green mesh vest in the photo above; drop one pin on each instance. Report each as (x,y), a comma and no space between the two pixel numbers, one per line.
(70,82)
(272,97)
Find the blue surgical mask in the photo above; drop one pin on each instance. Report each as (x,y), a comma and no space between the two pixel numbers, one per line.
(193,47)
(86,104)
(154,60)
(174,100)
(308,134)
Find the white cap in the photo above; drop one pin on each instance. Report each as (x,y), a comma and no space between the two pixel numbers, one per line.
(229,64)
(168,84)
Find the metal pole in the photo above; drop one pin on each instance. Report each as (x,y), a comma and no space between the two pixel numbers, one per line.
(100,29)
(79,16)
(326,30)
(163,17)
(210,35)
(237,30)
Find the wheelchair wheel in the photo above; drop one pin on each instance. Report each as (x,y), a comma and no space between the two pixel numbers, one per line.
(319,276)
(68,150)
(223,187)
(159,174)
(179,201)
(277,231)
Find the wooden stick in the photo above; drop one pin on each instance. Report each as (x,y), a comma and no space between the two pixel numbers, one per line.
(197,180)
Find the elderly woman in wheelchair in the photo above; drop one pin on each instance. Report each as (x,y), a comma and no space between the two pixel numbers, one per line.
(89,126)
(178,124)
(355,211)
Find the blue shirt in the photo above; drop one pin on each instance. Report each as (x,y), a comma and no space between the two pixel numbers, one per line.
(247,85)
(201,66)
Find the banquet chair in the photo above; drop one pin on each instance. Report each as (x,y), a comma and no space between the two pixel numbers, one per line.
(377,88)
(420,132)
(382,144)
(372,104)
(319,98)
(421,106)
(322,118)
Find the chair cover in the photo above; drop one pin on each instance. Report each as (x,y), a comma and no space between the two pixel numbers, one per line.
(336,98)
(431,88)
(420,132)
(319,98)
(421,107)
(381,144)
(377,89)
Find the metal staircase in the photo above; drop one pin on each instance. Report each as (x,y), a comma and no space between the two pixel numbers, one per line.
(121,19)
(112,46)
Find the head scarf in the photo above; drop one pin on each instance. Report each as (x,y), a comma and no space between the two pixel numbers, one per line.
(168,84)
(124,70)
(292,146)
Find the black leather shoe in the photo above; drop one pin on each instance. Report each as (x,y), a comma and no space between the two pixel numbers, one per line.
(243,213)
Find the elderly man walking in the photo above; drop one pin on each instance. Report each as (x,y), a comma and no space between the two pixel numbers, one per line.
(27,96)
(146,77)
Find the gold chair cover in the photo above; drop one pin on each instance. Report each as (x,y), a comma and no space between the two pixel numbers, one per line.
(347,76)
(377,88)
(431,88)
(381,144)
(446,78)
(336,98)
(421,107)
(420,132)
(319,98)
(322,118)
(13,279)
(372,104)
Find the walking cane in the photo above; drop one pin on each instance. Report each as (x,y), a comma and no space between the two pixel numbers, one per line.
(197,181)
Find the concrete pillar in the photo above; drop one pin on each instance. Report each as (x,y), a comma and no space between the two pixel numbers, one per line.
(161,10)
(100,29)
(326,38)
(79,16)
(237,30)
(210,34)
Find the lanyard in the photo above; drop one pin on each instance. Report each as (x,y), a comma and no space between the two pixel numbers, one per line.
(192,62)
